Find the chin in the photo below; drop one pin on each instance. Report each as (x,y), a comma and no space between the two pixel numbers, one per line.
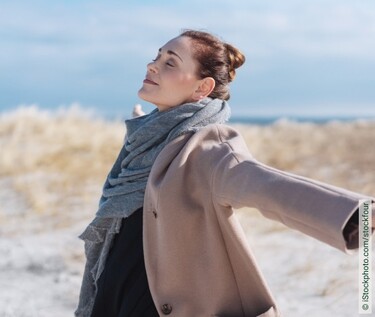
(144,98)
(143,95)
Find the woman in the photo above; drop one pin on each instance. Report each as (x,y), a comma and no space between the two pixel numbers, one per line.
(166,207)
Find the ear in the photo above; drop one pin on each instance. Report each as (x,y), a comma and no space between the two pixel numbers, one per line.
(206,85)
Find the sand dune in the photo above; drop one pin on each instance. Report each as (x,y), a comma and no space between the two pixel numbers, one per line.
(52,167)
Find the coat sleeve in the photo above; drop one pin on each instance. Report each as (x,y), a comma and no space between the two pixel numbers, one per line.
(314,208)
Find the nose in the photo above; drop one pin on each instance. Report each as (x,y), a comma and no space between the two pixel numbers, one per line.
(151,67)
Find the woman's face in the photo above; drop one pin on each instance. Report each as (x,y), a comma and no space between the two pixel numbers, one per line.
(171,78)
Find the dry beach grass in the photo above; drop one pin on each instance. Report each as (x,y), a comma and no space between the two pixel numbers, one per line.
(52,167)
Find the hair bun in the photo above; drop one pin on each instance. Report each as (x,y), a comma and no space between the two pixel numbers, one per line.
(235,58)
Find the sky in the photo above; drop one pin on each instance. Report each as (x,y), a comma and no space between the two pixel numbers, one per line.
(303,58)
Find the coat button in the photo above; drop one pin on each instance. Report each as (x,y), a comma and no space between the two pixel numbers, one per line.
(155,214)
(166,309)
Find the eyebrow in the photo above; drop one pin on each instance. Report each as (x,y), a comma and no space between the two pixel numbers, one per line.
(172,53)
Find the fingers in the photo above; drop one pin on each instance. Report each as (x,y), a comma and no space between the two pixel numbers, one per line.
(137,111)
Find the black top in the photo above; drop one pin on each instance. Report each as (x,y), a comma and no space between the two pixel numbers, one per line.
(123,287)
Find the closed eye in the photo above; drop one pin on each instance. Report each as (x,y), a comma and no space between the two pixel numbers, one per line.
(170,61)
(167,63)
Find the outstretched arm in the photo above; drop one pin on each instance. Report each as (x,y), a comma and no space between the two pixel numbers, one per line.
(325,212)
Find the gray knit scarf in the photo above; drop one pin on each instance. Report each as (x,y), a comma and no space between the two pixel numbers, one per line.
(124,189)
(147,135)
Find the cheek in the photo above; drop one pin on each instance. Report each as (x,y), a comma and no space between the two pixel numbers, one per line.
(183,81)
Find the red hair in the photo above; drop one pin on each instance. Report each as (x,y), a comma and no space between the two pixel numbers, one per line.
(216,59)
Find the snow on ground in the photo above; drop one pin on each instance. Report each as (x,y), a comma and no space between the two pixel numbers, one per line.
(40,274)
(51,171)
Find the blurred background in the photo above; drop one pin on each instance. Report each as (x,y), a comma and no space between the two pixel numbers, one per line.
(69,74)
(310,58)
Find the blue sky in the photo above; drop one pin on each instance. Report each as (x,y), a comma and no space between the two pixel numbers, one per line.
(309,57)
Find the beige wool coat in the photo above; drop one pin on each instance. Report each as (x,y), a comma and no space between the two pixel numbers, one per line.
(197,258)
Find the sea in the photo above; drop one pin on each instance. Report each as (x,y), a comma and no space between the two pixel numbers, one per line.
(267,120)
(261,120)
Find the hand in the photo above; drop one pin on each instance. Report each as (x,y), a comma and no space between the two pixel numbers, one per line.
(137,111)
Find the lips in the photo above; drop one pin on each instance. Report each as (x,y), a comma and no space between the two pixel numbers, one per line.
(149,81)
